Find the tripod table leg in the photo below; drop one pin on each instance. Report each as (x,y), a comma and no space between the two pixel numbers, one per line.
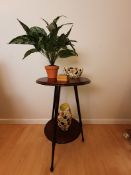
(53,109)
(78,109)
(56,106)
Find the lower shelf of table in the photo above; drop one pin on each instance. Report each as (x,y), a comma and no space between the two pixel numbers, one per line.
(63,137)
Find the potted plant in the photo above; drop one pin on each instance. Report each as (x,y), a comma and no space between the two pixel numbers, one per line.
(50,43)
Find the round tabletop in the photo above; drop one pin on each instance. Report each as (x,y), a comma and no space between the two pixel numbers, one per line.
(70,82)
(63,137)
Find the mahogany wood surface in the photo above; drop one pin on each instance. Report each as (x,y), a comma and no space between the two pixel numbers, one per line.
(70,82)
(63,137)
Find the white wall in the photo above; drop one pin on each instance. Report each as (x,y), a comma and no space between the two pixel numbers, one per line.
(103,31)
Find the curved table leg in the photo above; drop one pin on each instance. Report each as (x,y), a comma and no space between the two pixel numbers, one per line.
(78,109)
(55,113)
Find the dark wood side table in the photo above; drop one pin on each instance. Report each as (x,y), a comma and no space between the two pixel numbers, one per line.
(52,131)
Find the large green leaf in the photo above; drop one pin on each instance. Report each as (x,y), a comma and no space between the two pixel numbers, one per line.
(72,46)
(73,41)
(64,25)
(66,53)
(68,33)
(62,41)
(52,27)
(29,52)
(37,31)
(23,39)
(50,43)
(42,43)
(57,18)
(25,27)
(37,35)
(45,21)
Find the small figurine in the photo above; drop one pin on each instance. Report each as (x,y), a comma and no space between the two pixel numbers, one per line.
(65,116)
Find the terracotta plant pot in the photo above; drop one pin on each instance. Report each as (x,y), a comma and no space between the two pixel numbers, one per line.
(52,71)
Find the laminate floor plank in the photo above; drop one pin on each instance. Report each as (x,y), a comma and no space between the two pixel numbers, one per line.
(24,150)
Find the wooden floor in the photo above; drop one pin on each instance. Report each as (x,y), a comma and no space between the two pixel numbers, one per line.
(24,150)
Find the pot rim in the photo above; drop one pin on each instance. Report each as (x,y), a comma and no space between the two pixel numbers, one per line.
(51,67)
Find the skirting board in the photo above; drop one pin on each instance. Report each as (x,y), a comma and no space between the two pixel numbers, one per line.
(85,121)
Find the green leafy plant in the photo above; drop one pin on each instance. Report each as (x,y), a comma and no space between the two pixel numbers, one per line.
(50,43)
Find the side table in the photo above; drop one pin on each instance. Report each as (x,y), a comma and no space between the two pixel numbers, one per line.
(52,131)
